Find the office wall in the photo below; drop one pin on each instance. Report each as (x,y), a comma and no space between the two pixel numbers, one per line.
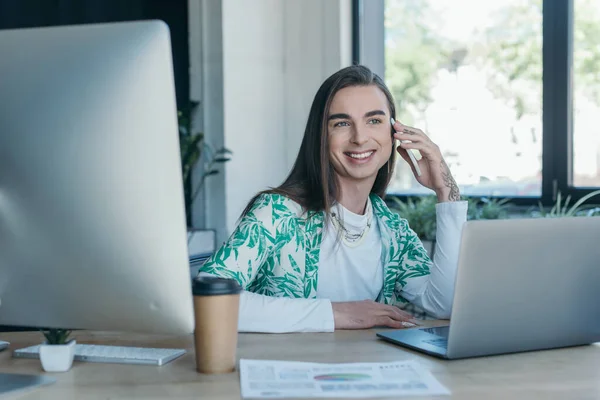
(273,56)
(254,75)
(318,42)
(206,86)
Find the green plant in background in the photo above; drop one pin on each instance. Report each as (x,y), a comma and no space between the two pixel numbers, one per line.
(193,147)
(421,216)
(487,208)
(56,336)
(562,209)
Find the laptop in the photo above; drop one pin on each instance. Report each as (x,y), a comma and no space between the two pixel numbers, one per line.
(521,285)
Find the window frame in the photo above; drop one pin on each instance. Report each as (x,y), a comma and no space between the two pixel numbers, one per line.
(557,96)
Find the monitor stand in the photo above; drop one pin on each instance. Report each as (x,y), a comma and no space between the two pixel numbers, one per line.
(10,383)
(3,344)
(20,382)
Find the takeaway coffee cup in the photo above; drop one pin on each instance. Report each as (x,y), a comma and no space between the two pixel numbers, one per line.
(216,310)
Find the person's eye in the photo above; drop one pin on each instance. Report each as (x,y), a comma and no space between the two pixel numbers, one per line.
(374,121)
(341,124)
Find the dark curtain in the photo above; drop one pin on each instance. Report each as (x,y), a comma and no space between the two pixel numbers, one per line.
(37,13)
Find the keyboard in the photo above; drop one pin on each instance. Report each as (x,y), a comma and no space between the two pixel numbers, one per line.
(440,336)
(441,343)
(112,354)
(441,331)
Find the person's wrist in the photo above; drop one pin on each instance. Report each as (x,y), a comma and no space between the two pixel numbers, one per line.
(447,194)
(336,310)
(336,315)
(448,191)
(339,315)
(442,195)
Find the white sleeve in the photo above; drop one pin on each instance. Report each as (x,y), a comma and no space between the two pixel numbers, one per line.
(434,292)
(267,314)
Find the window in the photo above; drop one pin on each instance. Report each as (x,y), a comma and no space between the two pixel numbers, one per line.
(510,90)
(586,93)
(473,81)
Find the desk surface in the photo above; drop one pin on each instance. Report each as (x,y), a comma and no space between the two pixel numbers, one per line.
(572,373)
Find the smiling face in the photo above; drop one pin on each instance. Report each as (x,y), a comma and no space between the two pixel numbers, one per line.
(360,139)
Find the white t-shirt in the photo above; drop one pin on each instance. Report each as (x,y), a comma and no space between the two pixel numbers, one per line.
(356,273)
(351,272)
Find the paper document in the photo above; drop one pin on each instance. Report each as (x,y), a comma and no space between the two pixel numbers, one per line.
(281,379)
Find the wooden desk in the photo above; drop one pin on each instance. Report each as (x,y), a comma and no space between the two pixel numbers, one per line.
(556,374)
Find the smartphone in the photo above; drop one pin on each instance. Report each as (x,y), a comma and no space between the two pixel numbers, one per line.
(412,157)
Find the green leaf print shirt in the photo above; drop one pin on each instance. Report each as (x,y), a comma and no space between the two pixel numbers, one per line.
(274,251)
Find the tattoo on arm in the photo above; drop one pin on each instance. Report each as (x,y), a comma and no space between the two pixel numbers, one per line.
(450,183)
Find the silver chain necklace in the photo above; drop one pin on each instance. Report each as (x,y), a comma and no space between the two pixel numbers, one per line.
(351,238)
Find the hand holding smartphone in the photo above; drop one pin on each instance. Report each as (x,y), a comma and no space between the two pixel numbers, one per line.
(412,157)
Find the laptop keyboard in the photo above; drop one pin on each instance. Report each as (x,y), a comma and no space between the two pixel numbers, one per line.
(442,343)
(441,340)
(438,331)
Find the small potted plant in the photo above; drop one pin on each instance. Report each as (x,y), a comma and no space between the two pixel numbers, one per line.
(199,161)
(57,352)
(193,147)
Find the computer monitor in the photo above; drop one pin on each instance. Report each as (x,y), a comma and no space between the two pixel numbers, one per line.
(92,219)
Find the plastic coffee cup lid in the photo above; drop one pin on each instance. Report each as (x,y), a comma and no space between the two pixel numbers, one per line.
(213,286)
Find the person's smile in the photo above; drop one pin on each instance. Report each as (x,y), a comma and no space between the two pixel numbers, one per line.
(361,157)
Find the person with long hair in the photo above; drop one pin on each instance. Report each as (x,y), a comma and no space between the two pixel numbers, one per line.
(322,251)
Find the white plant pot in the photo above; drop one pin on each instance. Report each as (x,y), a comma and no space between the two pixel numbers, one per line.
(57,357)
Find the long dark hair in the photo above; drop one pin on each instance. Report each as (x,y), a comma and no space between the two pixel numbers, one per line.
(312,183)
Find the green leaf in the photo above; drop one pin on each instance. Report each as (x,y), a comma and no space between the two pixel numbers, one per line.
(56,336)
(226,252)
(294,264)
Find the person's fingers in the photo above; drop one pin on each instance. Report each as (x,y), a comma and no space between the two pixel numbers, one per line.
(391,323)
(410,145)
(408,136)
(399,324)
(409,130)
(383,313)
(395,313)
(402,315)
(411,138)
(394,309)
(428,150)
(404,154)
(413,131)
(421,145)
(425,148)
